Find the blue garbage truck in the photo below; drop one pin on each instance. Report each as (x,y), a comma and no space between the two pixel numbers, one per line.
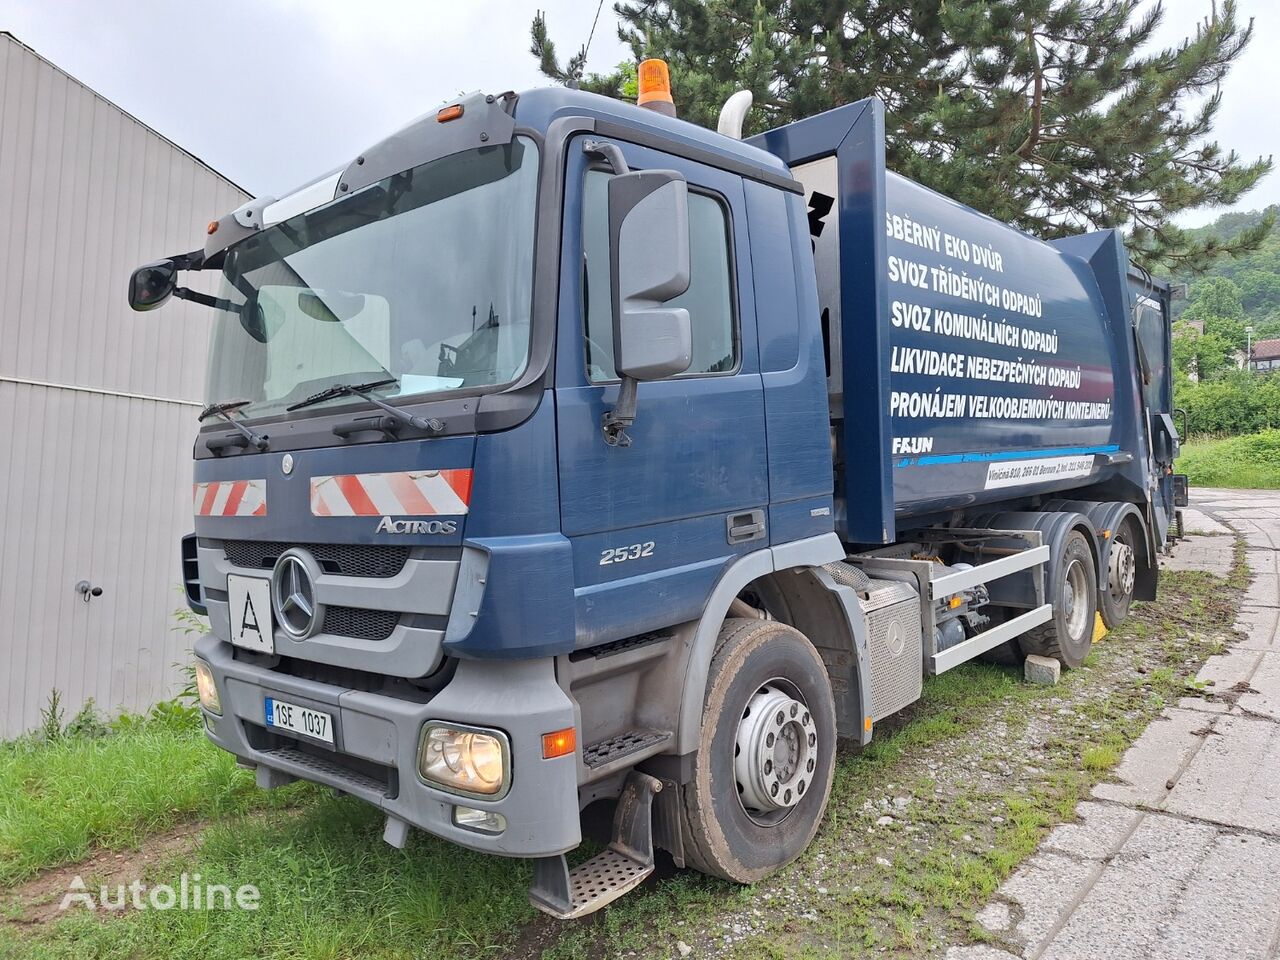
(559,450)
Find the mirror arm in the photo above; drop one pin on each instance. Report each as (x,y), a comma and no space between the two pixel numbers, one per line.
(188,261)
(184,293)
(614,423)
(610,153)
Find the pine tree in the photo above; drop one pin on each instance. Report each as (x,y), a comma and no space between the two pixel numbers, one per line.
(1055,115)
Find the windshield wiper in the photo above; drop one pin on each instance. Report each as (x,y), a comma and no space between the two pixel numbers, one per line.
(361,390)
(224,409)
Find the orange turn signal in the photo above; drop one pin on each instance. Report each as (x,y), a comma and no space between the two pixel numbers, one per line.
(452,112)
(212,228)
(560,743)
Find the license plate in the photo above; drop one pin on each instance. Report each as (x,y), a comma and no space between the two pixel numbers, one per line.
(249,609)
(282,715)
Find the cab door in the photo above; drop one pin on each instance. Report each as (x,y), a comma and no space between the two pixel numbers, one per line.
(1151,330)
(654,523)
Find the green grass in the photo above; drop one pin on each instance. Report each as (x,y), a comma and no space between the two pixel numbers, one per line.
(330,888)
(1249,462)
(61,800)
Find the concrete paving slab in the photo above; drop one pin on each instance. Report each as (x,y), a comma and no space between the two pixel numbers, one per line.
(1234,779)
(1201,705)
(1154,759)
(1263,591)
(1230,906)
(979,952)
(1262,699)
(1263,534)
(1261,561)
(1259,624)
(1102,829)
(1195,552)
(1223,671)
(1045,887)
(1194,521)
(1121,915)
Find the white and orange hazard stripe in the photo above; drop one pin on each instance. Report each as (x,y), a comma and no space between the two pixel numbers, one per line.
(230,498)
(414,493)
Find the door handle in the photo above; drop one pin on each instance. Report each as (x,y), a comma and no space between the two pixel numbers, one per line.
(745,527)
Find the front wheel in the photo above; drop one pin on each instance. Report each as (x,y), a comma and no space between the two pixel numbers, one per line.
(766,755)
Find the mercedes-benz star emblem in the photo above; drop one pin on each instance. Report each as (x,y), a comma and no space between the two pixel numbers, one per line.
(293,595)
(286,464)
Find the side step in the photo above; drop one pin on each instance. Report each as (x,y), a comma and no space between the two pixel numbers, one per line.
(568,894)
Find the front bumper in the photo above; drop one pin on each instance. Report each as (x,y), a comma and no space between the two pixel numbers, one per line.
(376,751)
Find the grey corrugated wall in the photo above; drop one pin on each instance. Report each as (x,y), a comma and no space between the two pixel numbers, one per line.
(97,403)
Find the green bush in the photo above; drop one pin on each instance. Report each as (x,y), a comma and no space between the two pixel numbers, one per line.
(1250,462)
(1238,403)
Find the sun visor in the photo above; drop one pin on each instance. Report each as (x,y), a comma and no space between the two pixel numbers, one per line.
(477,120)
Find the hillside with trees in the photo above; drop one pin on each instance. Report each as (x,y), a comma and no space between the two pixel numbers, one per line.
(1235,292)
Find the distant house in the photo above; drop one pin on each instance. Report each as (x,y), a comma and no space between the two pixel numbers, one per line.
(1266,355)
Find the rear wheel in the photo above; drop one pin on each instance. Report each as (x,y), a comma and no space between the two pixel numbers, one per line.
(1122,574)
(1073,593)
(766,755)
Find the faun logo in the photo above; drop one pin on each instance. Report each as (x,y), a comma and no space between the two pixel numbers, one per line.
(387,525)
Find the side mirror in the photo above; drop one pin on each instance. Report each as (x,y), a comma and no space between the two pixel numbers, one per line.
(649,265)
(151,285)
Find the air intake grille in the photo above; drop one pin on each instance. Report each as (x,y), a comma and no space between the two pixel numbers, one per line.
(343,559)
(895,647)
(360,624)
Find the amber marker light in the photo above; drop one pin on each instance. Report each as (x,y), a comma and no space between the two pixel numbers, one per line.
(212,228)
(446,114)
(560,743)
(654,82)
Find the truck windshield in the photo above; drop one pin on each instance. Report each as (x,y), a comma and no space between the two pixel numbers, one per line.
(423,279)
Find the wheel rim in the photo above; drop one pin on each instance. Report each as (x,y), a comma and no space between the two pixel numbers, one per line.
(1122,571)
(1075,594)
(775,752)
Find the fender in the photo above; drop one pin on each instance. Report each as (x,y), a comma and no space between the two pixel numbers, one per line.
(810,552)
(1109,516)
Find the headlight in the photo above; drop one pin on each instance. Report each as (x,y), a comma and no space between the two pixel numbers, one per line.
(207,689)
(470,761)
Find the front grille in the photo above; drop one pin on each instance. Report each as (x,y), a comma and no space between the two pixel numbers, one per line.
(360,624)
(342,559)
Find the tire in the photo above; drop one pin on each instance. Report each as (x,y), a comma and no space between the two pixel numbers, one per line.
(756,663)
(1068,635)
(1122,569)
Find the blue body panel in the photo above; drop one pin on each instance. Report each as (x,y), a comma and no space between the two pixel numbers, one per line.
(979,364)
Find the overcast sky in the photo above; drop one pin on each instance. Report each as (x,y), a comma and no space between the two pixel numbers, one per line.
(273,92)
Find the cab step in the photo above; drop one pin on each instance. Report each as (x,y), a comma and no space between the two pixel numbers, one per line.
(568,894)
